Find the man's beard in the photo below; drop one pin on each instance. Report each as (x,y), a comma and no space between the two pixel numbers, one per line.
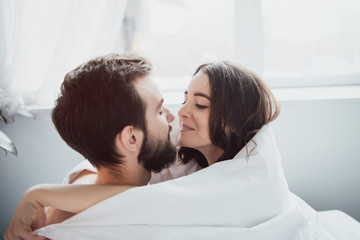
(157,154)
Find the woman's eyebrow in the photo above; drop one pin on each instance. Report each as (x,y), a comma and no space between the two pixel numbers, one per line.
(199,94)
(202,95)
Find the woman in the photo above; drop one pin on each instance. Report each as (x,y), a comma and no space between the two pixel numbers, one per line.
(223,109)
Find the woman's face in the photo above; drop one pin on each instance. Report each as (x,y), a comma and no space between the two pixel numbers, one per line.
(195,113)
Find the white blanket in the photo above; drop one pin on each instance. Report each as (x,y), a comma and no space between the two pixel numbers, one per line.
(244,198)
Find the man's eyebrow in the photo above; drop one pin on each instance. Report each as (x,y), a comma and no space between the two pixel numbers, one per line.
(199,94)
(160,104)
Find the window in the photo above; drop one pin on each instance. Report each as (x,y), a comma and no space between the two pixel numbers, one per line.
(290,43)
(180,35)
(311,42)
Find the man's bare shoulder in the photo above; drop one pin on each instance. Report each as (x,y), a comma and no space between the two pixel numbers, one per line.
(85,177)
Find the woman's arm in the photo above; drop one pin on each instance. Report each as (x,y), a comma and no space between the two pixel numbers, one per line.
(54,215)
(72,198)
(30,213)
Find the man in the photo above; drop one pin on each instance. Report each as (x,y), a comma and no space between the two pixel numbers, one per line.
(112,113)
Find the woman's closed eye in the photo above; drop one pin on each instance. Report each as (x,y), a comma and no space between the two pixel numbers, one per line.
(197,105)
(201,106)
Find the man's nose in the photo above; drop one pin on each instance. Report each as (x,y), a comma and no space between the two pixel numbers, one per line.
(169,116)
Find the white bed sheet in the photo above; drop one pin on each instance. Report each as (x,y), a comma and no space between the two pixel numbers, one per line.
(244,198)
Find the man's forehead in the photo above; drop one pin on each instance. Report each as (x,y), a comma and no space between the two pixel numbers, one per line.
(148,91)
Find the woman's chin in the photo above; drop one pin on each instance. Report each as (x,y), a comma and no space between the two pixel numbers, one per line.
(183,143)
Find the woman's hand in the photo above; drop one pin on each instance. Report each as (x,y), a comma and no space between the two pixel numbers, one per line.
(29,215)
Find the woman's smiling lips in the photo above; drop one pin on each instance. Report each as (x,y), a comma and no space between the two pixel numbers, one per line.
(185,128)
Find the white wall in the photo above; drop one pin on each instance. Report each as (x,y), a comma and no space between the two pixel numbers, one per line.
(319,142)
(320,146)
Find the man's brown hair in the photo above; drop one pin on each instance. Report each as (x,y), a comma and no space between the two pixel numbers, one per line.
(98,99)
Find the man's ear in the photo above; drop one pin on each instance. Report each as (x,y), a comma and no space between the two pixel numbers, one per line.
(129,139)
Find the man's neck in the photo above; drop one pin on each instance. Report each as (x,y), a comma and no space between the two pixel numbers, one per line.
(123,176)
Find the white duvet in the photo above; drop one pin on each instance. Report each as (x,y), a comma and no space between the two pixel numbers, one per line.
(244,198)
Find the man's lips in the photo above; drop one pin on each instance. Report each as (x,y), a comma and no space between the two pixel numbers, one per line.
(185,127)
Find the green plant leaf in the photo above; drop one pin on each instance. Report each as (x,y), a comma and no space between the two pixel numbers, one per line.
(7,144)
(2,118)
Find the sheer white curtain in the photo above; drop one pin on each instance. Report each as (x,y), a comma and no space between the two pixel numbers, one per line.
(41,40)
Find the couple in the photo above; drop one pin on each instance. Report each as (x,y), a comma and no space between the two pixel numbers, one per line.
(112,113)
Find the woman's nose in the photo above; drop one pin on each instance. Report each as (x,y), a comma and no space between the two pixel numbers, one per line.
(169,116)
(182,111)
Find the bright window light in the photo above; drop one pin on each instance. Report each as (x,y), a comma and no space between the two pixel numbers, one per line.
(295,43)
(180,35)
(315,39)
